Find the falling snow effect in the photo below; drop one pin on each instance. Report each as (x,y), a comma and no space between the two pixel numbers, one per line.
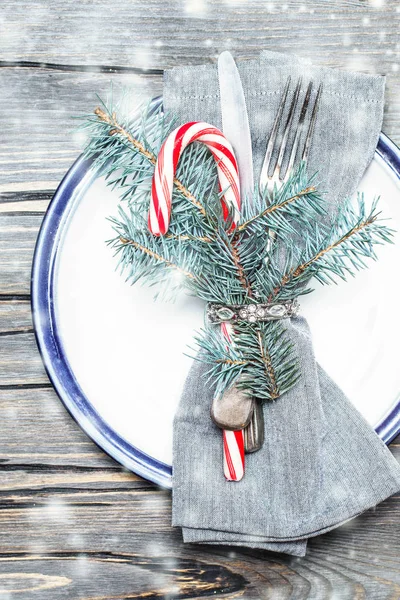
(47,143)
(196,8)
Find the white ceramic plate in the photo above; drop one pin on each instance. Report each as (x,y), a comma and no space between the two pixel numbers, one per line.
(116,357)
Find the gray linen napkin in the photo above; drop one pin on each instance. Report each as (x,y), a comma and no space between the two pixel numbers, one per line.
(321,463)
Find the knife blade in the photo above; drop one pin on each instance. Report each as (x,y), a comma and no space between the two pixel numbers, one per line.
(235,126)
(235,121)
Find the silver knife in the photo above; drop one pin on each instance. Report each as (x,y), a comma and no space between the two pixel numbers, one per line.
(235,122)
(235,126)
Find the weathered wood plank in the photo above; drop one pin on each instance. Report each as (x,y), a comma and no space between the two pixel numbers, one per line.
(357,35)
(74,533)
(154,35)
(22,202)
(15,316)
(67,510)
(39,140)
(123,575)
(20,361)
(39,431)
(17,242)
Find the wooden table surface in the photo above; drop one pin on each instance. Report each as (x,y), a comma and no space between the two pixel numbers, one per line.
(74,524)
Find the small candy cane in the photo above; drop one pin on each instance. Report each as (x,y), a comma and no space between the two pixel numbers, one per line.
(159,218)
(233,440)
(167,162)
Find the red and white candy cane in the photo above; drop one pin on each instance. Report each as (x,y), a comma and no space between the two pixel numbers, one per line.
(233,440)
(167,162)
(159,218)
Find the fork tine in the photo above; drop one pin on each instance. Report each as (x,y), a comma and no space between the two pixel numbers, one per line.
(310,132)
(287,130)
(272,138)
(299,130)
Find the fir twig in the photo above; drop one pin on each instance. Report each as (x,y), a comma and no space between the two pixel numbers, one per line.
(260,360)
(231,267)
(116,128)
(276,207)
(266,358)
(241,272)
(339,252)
(157,257)
(353,231)
(228,361)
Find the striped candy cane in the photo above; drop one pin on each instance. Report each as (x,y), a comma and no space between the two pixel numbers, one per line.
(167,162)
(233,440)
(159,218)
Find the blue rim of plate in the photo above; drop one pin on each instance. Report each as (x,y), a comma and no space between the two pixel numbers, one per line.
(53,354)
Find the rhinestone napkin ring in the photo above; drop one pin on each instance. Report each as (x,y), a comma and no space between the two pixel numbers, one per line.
(217,313)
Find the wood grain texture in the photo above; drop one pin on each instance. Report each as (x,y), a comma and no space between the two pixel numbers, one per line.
(102,528)
(73,523)
(153,36)
(39,140)
(17,243)
(61,53)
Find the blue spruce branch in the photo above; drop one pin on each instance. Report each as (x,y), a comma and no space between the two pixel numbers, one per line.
(203,255)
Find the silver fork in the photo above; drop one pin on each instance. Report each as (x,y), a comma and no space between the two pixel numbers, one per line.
(254,432)
(278,176)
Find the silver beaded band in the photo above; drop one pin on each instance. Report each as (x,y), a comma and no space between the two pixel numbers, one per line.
(251,313)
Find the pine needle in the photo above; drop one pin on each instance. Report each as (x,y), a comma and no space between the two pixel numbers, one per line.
(202,255)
